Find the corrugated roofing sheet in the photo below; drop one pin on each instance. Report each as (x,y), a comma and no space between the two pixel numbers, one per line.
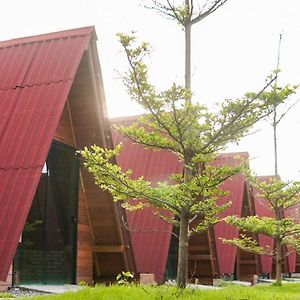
(263,209)
(36,74)
(292,212)
(226,254)
(50,58)
(24,141)
(151,247)
(150,235)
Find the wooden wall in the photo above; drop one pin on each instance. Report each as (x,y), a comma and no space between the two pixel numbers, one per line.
(111,251)
(203,265)
(200,259)
(248,264)
(84,263)
(84,268)
(103,248)
(64,132)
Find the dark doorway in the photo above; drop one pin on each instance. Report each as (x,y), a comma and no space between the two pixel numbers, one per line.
(171,267)
(47,251)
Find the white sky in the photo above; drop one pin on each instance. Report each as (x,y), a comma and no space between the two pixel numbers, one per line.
(233,51)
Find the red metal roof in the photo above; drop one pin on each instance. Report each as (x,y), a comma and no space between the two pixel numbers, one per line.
(292,212)
(226,254)
(263,209)
(36,74)
(150,235)
(151,247)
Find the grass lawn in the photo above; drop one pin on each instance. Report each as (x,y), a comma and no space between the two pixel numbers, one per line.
(4,295)
(289,291)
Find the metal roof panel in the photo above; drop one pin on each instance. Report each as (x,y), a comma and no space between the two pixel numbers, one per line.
(31,119)
(226,254)
(36,74)
(150,234)
(82,31)
(263,209)
(16,194)
(42,62)
(293,213)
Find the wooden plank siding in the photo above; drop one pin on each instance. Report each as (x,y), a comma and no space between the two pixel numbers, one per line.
(84,268)
(203,266)
(102,248)
(248,264)
(63,132)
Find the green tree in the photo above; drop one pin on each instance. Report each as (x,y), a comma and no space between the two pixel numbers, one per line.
(278,195)
(196,135)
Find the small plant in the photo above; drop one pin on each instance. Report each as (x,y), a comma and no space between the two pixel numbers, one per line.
(124,278)
(83,283)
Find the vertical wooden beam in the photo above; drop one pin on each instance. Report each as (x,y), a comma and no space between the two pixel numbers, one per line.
(213,252)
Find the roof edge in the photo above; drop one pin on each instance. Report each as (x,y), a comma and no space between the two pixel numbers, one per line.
(50,36)
(234,154)
(125,119)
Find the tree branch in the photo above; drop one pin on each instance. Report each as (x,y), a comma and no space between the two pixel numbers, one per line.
(222,129)
(216,4)
(125,224)
(155,114)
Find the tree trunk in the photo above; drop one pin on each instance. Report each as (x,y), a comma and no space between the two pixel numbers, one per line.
(182,267)
(187,75)
(278,261)
(275,143)
(182,264)
(278,212)
(275,121)
(278,258)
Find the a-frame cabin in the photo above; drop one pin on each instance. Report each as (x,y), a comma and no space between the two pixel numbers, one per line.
(209,257)
(263,209)
(248,263)
(52,103)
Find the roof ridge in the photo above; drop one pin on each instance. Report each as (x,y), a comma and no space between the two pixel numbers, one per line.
(230,154)
(82,31)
